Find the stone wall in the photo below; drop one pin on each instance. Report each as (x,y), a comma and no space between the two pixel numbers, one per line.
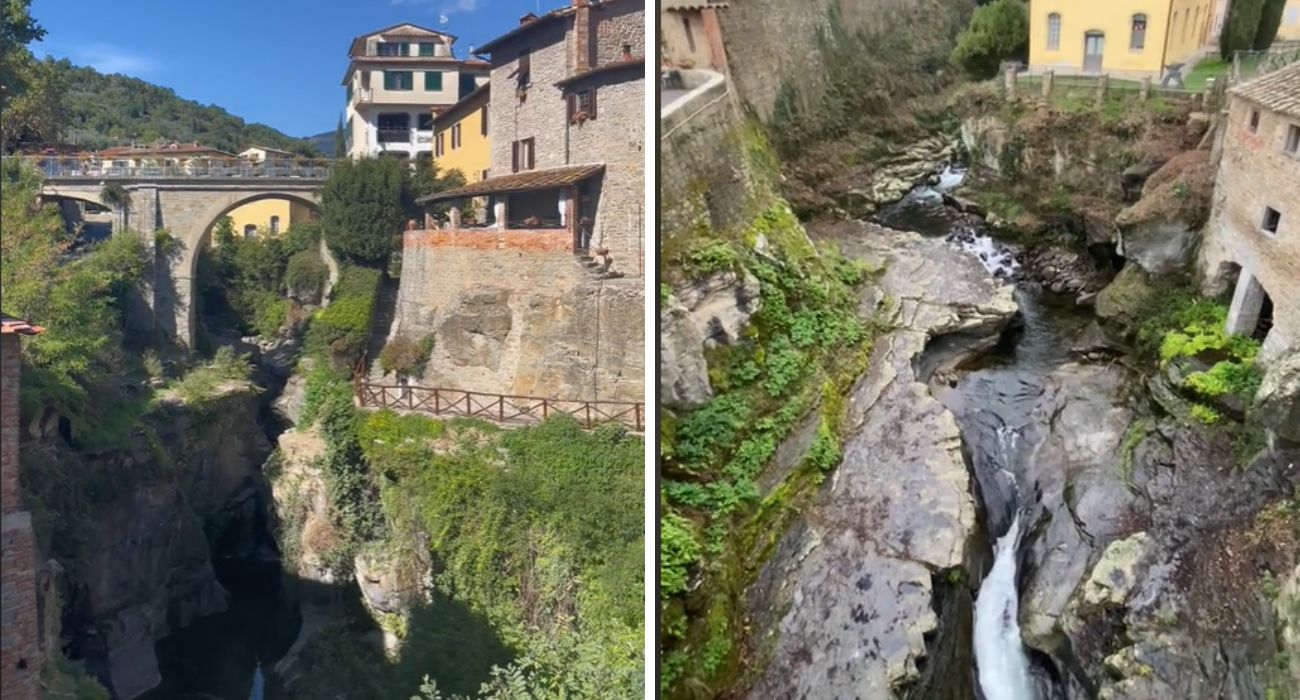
(520,321)
(20,657)
(616,24)
(616,137)
(541,114)
(1254,173)
(774,42)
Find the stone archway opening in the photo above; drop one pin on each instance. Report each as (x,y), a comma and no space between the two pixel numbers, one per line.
(255,228)
(1251,312)
(87,220)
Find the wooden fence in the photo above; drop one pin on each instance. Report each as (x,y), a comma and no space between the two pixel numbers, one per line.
(1102,89)
(497,408)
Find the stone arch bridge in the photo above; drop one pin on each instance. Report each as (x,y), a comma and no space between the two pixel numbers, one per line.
(186,200)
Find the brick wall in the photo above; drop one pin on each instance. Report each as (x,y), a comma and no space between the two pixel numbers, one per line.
(523,322)
(20,657)
(541,240)
(1255,173)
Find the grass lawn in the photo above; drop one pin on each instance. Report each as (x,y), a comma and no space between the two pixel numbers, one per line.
(1211,67)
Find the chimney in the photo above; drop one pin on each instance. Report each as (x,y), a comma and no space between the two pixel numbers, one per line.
(527,18)
(581,36)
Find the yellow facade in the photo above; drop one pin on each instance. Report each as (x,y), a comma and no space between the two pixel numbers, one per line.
(460,139)
(1109,36)
(1290,29)
(269,215)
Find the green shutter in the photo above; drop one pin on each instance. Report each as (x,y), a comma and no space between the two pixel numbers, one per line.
(433,80)
(426,49)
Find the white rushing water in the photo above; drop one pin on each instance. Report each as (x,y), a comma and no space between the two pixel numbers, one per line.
(1003,664)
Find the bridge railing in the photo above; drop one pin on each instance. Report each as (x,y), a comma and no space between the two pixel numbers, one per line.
(497,408)
(55,167)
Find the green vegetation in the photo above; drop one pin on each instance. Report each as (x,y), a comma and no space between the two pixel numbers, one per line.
(305,274)
(340,332)
(202,383)
(364,205)
(1250,25)
(1270,19)
(406,357)
(796,360)
(1209,67)
(999,31)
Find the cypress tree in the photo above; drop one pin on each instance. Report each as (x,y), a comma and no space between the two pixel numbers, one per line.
(1269,21)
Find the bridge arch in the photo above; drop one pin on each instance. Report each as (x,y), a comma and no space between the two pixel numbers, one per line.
(194,237)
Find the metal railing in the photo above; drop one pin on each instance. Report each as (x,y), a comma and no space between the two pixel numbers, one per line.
(1247,65)
(394,134)
(497,408)
(72,167)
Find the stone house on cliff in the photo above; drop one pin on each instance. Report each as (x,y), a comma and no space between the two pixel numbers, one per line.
(567,115)
(20,648)
(1252,240)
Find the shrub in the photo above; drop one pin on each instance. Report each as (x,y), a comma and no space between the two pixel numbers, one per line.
(269,311)
(406,357)
(997,32)
(202,383)
(305,274)
(341,331)
(678,551)
(364,205)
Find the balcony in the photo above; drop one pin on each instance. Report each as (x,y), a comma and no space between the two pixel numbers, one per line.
(402,135)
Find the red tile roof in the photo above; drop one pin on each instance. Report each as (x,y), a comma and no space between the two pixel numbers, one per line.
(606,68)
(15,326)
(520,182)
(174,149)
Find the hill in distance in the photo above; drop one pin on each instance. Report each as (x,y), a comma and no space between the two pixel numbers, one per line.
(115,110)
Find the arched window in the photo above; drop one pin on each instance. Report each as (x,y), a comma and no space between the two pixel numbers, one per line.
(1138,39)
(250,230)
(275,224)
(1054,32)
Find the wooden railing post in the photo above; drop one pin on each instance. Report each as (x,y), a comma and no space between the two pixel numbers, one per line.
(545,409)
(437,404)
(588,407)
(636,410)
(501,408)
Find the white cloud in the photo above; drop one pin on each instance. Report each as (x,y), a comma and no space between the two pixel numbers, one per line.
(444,8)
(106,58)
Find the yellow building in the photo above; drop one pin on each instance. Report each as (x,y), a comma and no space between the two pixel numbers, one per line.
(269,216)
(460,136)
(1124,38)
(1290,29)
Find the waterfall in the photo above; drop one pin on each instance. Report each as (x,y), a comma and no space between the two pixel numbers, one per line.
(1003,664)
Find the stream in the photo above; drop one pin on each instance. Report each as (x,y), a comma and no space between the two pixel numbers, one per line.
(992,398)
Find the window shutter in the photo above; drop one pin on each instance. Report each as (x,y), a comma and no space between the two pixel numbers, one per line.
(514,157)
(591,104)
(483,122)
(572,104)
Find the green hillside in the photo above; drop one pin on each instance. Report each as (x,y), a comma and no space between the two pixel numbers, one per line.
(109,110)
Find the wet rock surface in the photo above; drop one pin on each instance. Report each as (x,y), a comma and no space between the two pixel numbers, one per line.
(845,605)
(706,313)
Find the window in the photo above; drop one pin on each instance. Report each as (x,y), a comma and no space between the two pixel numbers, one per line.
(387,49)
(1254,121)
(425,122)
(582,106)
(426,48)
(525,67)
(690,37)
(521,155)
(484,176)
(482,122)
(455,136)
(433,80)
(1292,145)
(439,144)
(395,128)
(1138,39)
(275,224)
(398,80)
(1272,219)
(1054,32)
(250,230)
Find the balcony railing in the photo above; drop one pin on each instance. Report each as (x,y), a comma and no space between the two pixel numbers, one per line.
(394,134)
(71,167)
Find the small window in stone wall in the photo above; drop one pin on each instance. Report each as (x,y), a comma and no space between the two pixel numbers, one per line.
(1254,121)
(1292,145)
(1272,219)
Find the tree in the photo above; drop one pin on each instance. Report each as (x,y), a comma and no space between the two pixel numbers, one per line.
(31,91)
(1269,21)
(340,141)
(1240,27)
(998,31)
(428,180)
(363,206)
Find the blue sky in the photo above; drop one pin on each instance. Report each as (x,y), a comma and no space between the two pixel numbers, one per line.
(279,62)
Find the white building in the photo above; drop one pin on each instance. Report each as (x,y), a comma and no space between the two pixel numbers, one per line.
(397,79)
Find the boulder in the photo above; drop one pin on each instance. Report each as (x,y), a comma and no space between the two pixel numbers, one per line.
(705,313)
(1161,230)
(1277,403)
(1123,300)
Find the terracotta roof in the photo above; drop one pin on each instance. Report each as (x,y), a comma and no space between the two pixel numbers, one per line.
(607,68)
(477,97)
(1278,91)
(268,149)
(180,149)
(15,326)
(359,43)
(520,182)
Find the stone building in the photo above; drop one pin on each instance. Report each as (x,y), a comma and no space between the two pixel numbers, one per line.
(1252,240)
(690,36)
(20,654)
(567,115)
